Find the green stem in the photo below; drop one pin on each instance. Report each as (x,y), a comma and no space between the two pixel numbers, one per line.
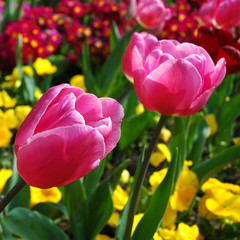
(141,177)
(11,194)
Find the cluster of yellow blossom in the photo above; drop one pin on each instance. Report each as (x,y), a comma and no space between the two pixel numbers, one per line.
(37,195)
(221,200)
(11,117)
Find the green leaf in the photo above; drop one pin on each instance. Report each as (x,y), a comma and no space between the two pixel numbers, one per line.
(178,141)
(115,35)
(209,167)
(112,65)
(100,209)
(87,71)
(153,217)
(122,221)
(76,202)
(229,112)
(31,225)
(132,128)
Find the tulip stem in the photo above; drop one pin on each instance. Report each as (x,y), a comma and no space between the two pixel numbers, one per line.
(11,194)
(125,92)
(141,177)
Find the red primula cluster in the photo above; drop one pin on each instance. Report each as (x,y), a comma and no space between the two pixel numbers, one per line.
(45,30)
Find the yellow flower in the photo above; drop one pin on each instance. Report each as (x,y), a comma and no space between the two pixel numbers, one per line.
(139,109)
(158,157)
(38,94)
(221,199)
(136,220)
(44,66)
(5,174)
(13,79)
(78,81)
(125,176)
(236,141)
(103,237)
(21,112)
(6,101)
(185,232)
(165,135)
(113,220)
(185,190)
(120,198)
(156,178)
(5,136)
(169,217)
(44,195)
(11,118)
(167,234)
(202,209)
(211,120)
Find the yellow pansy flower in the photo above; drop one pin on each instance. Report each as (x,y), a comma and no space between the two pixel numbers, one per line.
(165,135)
(156,178)
(125,176)
(11,118)
(120,198)
(44,195)
(5,174)
(38,94)
(140,109)
(185,232)
(6,101)
(236,141)
(169,217)
(185,190)
(113,219)
(202,209)
(211,120)
(78,81)
(158,157)
(13,79)
(5,136)
(166,234)
(21,112)
(136,220)
(44,67)
(103,237)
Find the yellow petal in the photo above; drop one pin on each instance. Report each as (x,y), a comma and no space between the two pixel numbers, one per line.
(120,198)
(140,109)
(211,120)
(113,220)
(156,178)
(5,136)
(165,135)
(157,158)
(78,81)
(164,149)
(5,174)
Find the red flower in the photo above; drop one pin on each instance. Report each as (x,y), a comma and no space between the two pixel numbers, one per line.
(221,43)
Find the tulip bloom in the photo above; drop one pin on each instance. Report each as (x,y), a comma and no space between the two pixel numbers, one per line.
(173,78)
(221,13)
(152,14)
(65,136)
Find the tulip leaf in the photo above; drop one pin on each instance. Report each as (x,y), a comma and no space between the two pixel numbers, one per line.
(112,65)
(76,202)
(100,209)
(31,225)
(229,112)
(115,36)
(178,140)
(132,128)
(153,217)
(209,167)
(122,222)
(87,71)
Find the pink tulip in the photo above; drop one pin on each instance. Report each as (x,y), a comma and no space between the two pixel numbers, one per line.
(65,136)
(175,79)
(152,14)
(145,43)
(221,13)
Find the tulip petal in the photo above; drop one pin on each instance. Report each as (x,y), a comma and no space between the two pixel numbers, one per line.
(172,86)
(219,73)
(27,128)
(89,106)
(59,156)
(111,108)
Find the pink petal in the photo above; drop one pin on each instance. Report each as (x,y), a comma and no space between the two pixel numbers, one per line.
(60,156)
(111,108)
(89,106)
(172,86)
(219,73)
(27,128)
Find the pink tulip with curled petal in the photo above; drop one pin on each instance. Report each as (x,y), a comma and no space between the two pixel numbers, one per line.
(152,14)
(65,136)
(220,13)
(173,78)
